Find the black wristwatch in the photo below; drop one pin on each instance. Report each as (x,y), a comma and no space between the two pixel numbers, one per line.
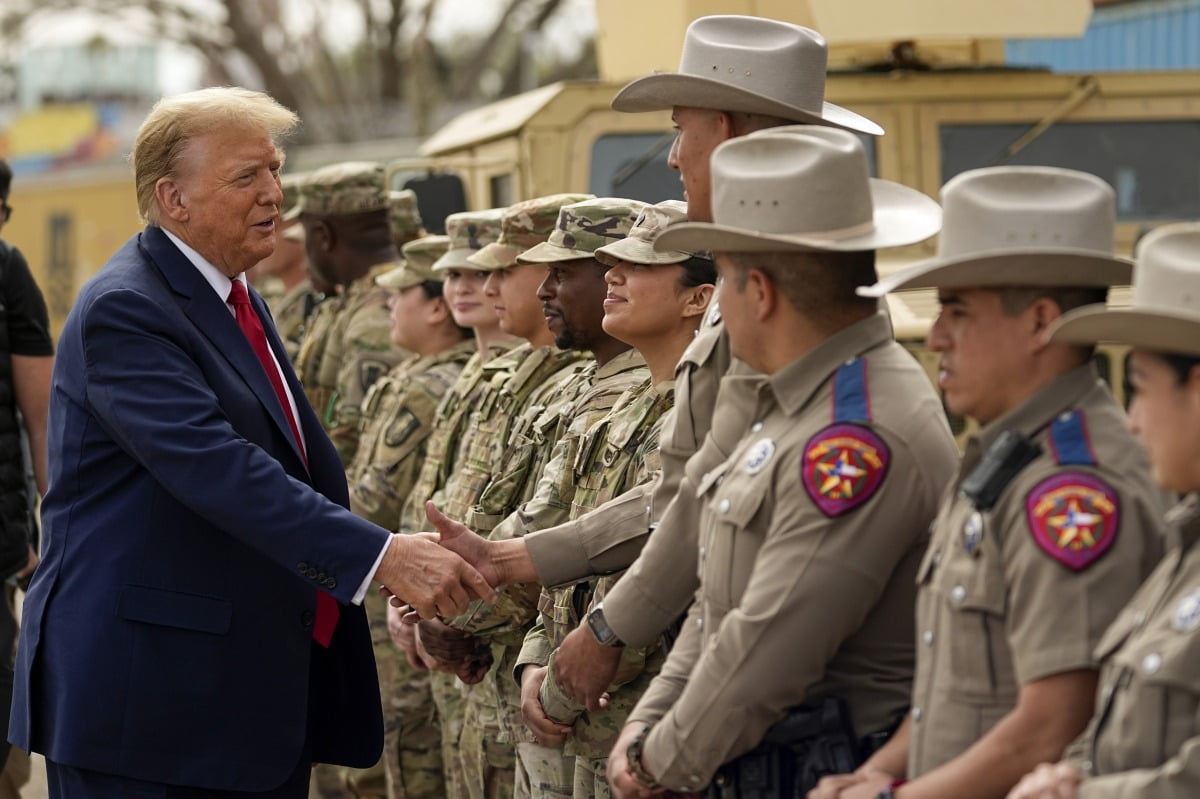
(600,629)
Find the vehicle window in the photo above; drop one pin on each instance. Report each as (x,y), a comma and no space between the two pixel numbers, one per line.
(634,165)
(1152,164)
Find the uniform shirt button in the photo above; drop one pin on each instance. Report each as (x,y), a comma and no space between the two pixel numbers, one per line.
(937,558)
(701,553)
(723,506)
(927,637)
(1087,767)
(754,428)
(916,714)
(696,779)
(1139,618)
(1152,663)
(1107,693)
(699,624)
(958,595)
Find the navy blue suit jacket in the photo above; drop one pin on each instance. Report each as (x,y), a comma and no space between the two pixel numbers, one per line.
(167,631)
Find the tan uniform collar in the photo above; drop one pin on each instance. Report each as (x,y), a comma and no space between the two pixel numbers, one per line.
(795,384)
(1183,523)
(1061,394)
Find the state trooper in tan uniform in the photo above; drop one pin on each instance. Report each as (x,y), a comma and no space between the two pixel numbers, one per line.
(1144,737)
(708,108)
(1052,520)
(811,532)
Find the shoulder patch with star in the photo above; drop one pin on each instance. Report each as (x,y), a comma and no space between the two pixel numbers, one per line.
(843,467)
(1073,517)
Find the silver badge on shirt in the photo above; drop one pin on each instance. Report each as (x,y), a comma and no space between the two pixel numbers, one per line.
(1187,613)
(972,532)
(760,454)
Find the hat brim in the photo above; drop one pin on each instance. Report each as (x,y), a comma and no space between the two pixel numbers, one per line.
(547,253)
(455,259)
(1002,268)
(638,251)
(399,279)
(902,216)
(1158,330)
(667,89)
(494,257)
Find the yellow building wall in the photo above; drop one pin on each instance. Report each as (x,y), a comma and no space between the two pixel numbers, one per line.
(68,227)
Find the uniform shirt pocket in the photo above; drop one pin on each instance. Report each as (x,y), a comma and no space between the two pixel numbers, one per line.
(735,540)
(974,598)
(1155,702)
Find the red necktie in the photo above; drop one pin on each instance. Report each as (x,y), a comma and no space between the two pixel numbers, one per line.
(248,321)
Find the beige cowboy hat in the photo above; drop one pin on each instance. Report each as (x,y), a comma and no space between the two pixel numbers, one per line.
(802,189)
(1165,313)
(1020,226)
(749,64)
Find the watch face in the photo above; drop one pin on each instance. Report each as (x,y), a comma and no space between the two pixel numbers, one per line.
(599,627)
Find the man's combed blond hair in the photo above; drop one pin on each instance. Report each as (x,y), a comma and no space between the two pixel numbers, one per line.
(175,120)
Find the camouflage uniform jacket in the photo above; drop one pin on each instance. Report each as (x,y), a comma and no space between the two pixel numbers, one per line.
(397,416)
(360,351)
(535,380)
(453,414)
(312,350)
(586,399)
(288,311)
(620,452)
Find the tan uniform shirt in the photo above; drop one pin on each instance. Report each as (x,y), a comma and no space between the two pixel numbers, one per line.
(1018,593)
(810,537)
(1145,737)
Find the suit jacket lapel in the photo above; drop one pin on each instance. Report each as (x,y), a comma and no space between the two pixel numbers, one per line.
(211,315)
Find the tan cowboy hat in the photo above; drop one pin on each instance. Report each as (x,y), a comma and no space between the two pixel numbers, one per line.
(1165,313)
(749,64)
(1020,226)
(802,189)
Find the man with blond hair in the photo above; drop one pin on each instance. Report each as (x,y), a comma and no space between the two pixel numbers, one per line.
(196,622)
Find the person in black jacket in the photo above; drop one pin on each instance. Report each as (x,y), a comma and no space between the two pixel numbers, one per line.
(26,360)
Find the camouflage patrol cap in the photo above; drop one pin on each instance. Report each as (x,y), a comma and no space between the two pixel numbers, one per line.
(469,232)
(351,187)
(525,224)
(584,227)
(290,184)
(638,246)
(417,264)
(403,215)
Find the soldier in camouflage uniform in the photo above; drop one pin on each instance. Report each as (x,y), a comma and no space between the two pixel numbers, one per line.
(524,381)
(348,237)
(467,232)
(655,302)
(361,350)
(573,304)
(291,309)
(397,417)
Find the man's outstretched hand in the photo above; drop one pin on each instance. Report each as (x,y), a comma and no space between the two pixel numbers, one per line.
(459,539)
(434,580)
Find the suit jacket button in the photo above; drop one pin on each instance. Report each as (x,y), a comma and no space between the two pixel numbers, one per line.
(302,567)
(306,619)
(331,583)
(321,578)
